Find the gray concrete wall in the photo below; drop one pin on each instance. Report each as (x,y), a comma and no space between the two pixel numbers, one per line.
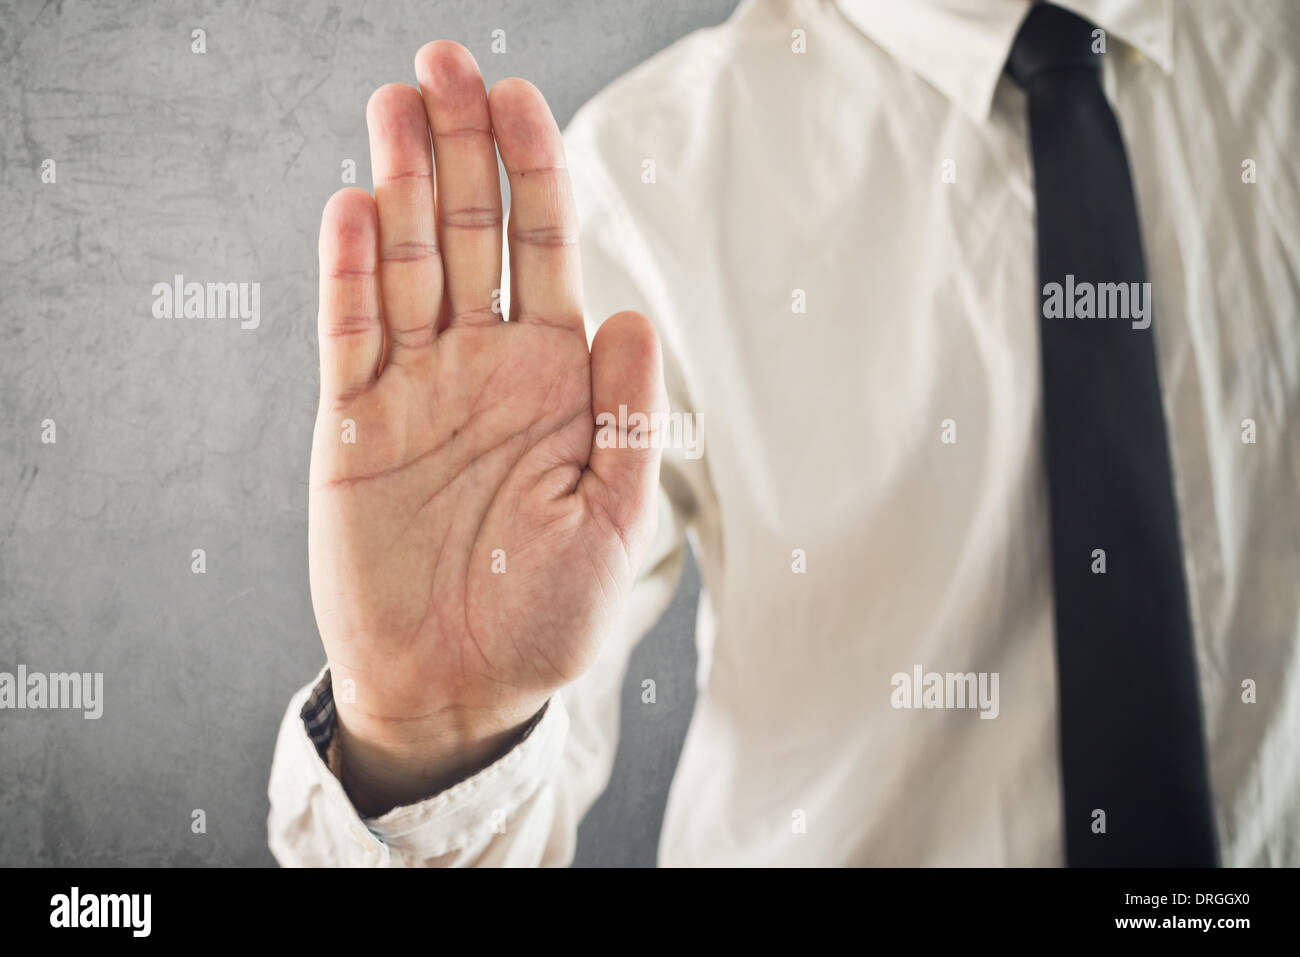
(175,436)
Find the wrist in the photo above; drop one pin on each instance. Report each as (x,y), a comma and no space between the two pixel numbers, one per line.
(385,763)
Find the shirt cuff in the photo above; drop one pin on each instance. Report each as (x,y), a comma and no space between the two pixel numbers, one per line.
(314,822)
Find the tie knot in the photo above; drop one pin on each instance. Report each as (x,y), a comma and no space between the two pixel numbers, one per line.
(1051,38)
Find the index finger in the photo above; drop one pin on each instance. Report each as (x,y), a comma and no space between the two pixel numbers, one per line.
(545,276)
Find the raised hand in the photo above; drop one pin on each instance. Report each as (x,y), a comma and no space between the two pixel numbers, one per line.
(469,541)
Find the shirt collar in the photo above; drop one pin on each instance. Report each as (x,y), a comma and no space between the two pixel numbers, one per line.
(961,46)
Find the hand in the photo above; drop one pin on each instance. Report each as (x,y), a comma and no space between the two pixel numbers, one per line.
(469,542)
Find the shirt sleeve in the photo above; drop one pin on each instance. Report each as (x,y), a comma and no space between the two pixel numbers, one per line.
(313,823)
(524,809)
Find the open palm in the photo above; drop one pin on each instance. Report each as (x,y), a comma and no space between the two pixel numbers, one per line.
(469,541)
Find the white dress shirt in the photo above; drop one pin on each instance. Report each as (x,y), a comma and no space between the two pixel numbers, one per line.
(871,499)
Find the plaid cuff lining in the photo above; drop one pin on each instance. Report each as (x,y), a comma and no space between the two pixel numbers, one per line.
(318,715)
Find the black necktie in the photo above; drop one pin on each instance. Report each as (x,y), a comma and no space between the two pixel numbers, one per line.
(1132,746)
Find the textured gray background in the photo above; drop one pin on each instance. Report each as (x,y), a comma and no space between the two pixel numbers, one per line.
(181,435)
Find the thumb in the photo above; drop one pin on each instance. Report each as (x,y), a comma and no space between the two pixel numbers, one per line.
(629,401)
